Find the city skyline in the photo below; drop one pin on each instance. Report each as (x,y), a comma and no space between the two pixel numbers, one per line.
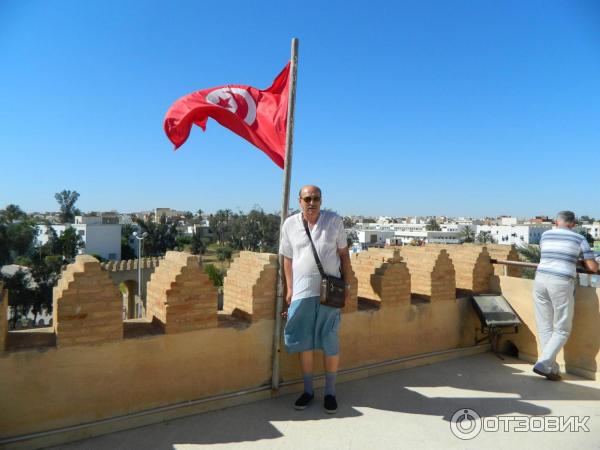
(402,109)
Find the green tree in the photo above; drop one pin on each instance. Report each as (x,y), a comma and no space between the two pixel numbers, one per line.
(20,294)
(224,252)
(12,213)
(126,251)
(70,242)
(21,237)
(197,246)
(255,231)
(53,245)
(348,222)
(467,234)
(432,225)
(216,275)
(220,223)
(485,237)
(161,236)
(182,242)
(529,253)
(66,200)
(46,274)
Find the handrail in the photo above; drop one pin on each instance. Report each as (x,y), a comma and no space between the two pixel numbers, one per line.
(534,265)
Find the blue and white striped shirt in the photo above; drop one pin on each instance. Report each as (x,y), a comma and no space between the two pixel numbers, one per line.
(560,250)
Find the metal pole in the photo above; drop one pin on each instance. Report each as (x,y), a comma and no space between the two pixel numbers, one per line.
(287,174)
(139,275)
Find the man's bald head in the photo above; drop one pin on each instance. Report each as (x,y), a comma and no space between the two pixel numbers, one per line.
(309,189)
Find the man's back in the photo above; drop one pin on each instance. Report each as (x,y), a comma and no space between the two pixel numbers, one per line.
(560,250)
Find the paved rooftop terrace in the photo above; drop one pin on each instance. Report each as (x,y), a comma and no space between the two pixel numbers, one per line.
(411,408)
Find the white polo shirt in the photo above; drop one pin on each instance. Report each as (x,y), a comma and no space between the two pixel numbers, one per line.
(328,234)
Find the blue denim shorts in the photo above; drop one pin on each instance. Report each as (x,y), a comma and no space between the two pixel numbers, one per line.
(312,326)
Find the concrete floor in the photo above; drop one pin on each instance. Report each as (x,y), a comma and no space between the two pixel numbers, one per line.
(411,408)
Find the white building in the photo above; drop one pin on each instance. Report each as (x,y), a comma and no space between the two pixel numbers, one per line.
(515,234)
(437,237)
(98,238)
(593,229)
(373,238)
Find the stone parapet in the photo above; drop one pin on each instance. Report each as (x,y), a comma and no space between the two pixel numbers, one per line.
(471,264)
(250,287)
(431,272)
(180,295)
(130,264)
(365,264)
(508,253)
(87,306)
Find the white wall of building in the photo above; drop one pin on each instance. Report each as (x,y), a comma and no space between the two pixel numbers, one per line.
(515,234)
(99,239)
(373,237)
(593,229)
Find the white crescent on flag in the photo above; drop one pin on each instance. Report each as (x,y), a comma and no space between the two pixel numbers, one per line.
(219,96)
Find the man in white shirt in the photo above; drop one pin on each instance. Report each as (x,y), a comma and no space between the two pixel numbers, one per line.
(310,325)
(560,250)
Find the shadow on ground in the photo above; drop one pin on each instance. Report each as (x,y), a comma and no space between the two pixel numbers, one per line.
(482,382)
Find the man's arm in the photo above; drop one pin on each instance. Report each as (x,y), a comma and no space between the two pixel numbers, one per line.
(287,270)
(591,265)
(589,260)
(346,264)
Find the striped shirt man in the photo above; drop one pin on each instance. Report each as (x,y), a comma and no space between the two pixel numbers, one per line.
(560,250)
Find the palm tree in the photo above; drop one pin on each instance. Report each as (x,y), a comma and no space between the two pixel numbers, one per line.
(468,234)
(485,237)
(530,253)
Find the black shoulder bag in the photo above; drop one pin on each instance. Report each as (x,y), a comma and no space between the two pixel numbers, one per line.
(333,289)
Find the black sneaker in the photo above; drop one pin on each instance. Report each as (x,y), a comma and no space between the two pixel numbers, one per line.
(304,400)
(330,404)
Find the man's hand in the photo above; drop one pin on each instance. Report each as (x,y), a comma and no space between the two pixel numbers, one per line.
(288,297)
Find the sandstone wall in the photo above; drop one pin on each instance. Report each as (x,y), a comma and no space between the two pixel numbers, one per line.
(471,264)
(181,296)
(505,252)
(87,306)
(250,287)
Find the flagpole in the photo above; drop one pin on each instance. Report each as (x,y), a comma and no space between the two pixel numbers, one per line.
(287,175)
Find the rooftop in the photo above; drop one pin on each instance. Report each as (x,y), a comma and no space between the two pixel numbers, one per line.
(412,407)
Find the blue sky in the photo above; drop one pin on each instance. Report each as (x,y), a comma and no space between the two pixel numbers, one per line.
(403,108)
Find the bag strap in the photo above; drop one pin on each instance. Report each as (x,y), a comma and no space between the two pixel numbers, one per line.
(314,250)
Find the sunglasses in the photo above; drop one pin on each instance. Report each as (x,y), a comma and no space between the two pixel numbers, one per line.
(314,199)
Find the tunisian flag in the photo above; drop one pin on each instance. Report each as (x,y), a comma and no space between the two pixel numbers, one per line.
(257,116)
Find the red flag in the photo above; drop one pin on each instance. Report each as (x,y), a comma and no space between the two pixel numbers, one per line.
(257,116)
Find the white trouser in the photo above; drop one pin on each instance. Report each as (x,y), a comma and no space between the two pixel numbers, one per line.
(554,306)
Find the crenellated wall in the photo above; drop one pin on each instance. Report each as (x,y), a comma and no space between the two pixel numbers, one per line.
(508,253)
(87,306)
(381,273)
(131,264)
(432,273)
(471,264)
(181,296)
(249,289)
(200,354)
